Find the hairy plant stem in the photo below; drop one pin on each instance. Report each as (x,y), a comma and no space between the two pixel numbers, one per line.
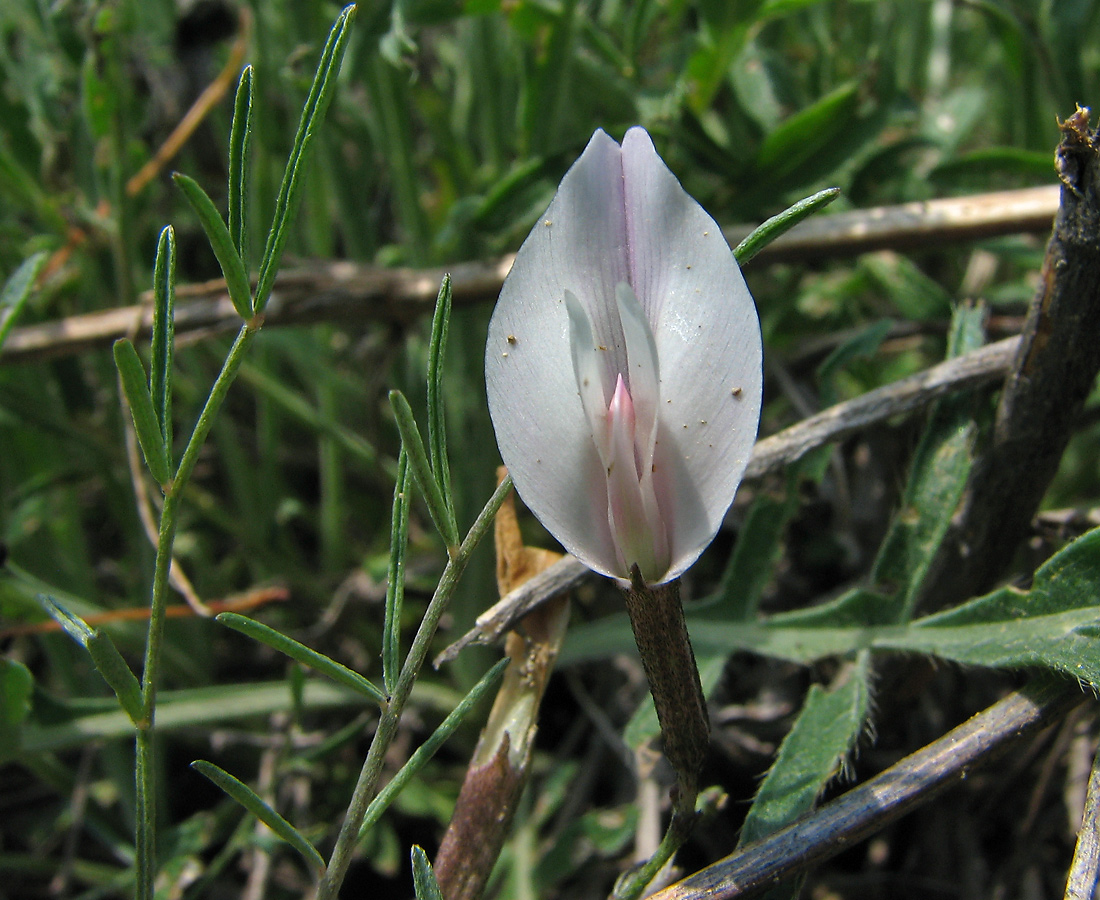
(144,770)
(657,619)
(367,785)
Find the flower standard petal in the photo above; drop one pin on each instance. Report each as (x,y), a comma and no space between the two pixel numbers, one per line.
(708,343)
(654,296)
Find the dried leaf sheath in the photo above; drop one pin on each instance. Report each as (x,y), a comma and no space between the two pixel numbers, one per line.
(498,771)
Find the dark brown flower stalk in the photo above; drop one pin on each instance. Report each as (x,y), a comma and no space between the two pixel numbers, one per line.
(657,618)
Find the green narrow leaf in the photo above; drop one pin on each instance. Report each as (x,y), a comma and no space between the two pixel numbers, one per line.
(160,362)
(320,93)
(437,431)
(812,754)
(301,653)
(132,375)
(862,345)
(422,470)
(105,656)
(195,707)
(240,164)
(800,137)
(251,801)
(428,749)
(424,884)
(915,295)
(395,581)
(16,291)
(938,475)
(783,222)
(115,671)
(232,266)
(16,687)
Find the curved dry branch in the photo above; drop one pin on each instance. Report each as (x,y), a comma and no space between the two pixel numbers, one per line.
(335,291)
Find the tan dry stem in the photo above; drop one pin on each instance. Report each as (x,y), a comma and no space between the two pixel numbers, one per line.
(498,771)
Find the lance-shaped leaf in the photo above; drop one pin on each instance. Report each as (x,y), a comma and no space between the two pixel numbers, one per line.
(217,233)
(623,366)
(16,290)
(251,801)
(105,656)
(163,342)
(421,468)
(313,113)
(427,750)
(240,158)
(782,223)
(341,674)
(146,425)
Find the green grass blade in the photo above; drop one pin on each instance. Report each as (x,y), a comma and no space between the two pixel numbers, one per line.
(424,884)
(422,470)
(303,654)
(428,749)
(395,581)
(320,93)
(240,164)
(938,476)
(160,362)
(251,801)
(180,710)
(16,291)
(784,221)
(801,137)
(132,375)
(232,266)
(105,656)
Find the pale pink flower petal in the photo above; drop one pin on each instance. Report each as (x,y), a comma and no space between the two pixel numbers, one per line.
(625,334)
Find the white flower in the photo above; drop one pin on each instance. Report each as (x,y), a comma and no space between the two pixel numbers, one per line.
(623,366)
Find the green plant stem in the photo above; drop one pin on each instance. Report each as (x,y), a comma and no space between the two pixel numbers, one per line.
(367,785)
(634,882)
(144,769)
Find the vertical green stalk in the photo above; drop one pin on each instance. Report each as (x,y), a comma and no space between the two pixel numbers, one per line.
(367,784)
(144,770)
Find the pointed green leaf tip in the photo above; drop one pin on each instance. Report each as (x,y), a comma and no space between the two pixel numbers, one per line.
(424,883)
(105,656)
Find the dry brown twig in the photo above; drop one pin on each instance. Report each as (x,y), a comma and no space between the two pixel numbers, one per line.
(327,291)
(866,809)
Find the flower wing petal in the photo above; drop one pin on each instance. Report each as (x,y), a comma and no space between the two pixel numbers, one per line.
(708,343)
(544,436)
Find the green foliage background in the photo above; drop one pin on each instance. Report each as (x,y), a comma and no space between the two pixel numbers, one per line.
(451,126)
